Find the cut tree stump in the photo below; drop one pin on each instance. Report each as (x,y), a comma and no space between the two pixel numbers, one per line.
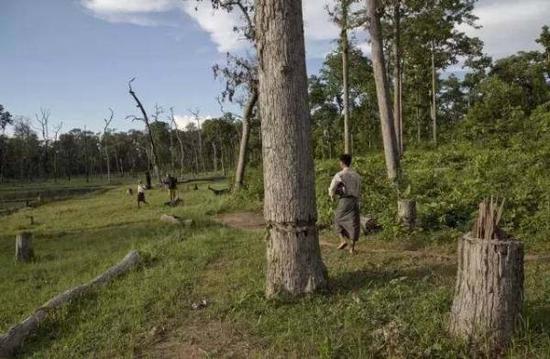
(489,291)
(176,220)
(406,213)
(369,225)
(23,247)
(16,335)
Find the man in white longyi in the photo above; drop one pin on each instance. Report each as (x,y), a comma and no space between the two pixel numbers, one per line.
(346,184)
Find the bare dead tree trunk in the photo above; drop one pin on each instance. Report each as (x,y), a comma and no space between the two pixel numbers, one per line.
(243,148)
(196,115)
(43,122)
(294,264)
(397,75)
(180,141)
(145,119)
(382,92)
(434,104)
(105,144)
(57,129)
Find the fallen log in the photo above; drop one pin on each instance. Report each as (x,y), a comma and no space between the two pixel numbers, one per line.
(16,335)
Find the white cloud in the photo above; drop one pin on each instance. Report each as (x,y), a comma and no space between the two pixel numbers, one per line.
(509,26)
(218,23)
(182,121)
(137,12)
(130,6)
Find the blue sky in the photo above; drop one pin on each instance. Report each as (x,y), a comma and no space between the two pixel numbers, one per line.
(76,56)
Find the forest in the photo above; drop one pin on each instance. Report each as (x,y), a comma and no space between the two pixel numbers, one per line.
(448,142)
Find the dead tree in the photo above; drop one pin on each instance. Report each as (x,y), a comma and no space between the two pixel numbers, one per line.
(43,127)
(196,116)
(382,91)
(180,141)
(105,143)
(56,131)
(145,120)
(294,264)
(489,285)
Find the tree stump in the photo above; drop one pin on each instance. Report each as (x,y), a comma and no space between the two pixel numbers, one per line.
(406,212)
(369,225)
(489,291)
(23,247)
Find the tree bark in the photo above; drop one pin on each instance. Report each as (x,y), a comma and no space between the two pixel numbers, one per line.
(397,76)
(294,264)
(382,92)
(23,247)
(243,148)
(489,291)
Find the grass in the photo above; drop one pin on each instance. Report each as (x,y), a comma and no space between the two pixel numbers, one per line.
(391,300)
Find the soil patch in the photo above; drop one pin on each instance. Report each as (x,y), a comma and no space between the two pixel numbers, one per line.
(242,220)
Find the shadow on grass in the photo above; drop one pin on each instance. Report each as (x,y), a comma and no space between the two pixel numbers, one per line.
(356,280)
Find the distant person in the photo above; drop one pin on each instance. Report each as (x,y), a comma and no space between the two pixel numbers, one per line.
(172,187)
(346,185)
(141,194)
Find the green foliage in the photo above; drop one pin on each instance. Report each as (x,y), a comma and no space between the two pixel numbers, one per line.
(448,183)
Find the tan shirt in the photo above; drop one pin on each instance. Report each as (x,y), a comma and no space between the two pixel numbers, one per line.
(351,181)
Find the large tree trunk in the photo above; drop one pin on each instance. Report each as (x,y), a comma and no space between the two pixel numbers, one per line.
(489,291)
(345,76)
(294,264)
(382,92)
(397,92)
(243,148)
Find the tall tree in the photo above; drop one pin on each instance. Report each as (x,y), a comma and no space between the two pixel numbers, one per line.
(241,73)
(294,264)
(342,15)
(397,76)
(382,91)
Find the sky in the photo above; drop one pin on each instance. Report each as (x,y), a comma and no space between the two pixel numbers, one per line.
(75,57)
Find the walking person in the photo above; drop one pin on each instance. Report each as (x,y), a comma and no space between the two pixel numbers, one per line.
(346,185)
(141,194)
(172,187)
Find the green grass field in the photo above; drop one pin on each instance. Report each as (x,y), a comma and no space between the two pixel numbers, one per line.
(390,300)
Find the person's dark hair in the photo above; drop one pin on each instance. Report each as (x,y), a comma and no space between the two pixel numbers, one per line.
(346,159)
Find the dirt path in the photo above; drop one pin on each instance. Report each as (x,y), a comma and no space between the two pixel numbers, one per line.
(242,220)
